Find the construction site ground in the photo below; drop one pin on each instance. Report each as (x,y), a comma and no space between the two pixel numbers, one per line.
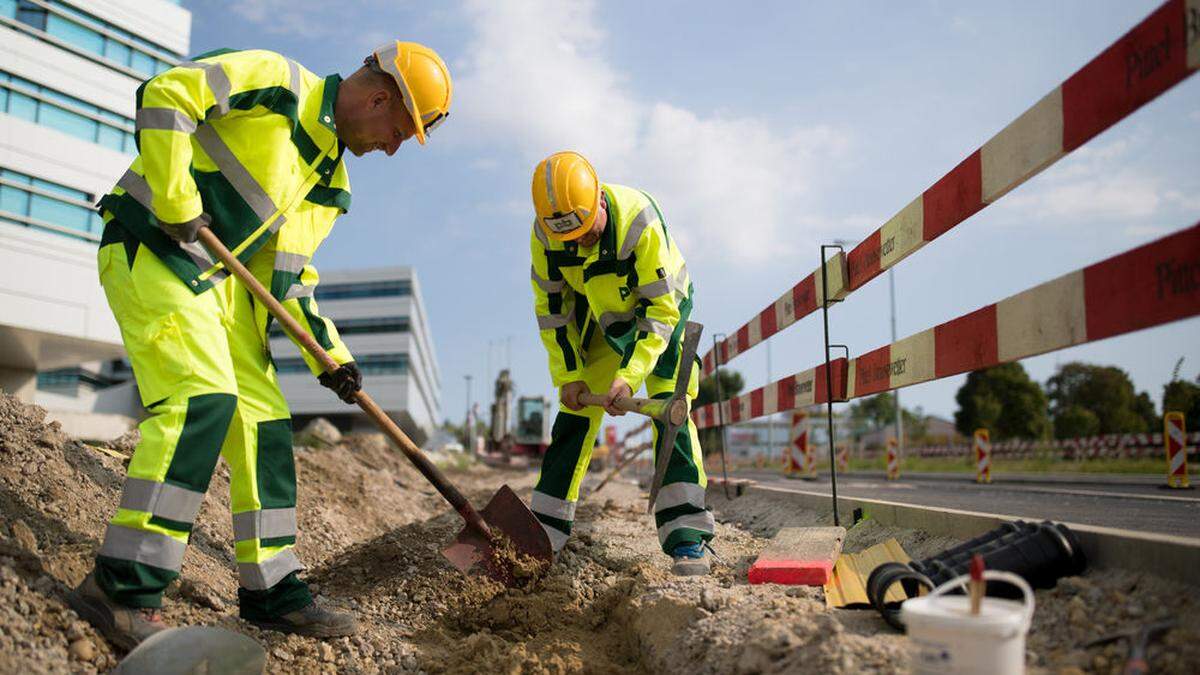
(371,530)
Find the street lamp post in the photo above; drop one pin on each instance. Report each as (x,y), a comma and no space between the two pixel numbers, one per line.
(467,421)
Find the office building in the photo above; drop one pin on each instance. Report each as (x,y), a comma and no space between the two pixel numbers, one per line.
(381,317)
(68,74)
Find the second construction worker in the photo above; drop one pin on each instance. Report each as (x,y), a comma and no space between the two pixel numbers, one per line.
(612,296)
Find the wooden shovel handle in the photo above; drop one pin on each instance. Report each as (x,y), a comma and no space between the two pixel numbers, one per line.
(368,405)
(650,407)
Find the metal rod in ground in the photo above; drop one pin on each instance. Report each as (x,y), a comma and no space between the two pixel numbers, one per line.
(829,383)
(721,411)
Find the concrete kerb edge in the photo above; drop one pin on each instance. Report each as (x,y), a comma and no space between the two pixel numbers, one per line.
(1171,557)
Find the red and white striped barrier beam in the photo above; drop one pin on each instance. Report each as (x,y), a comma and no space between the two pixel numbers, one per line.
(1151,285)
(1158,53)
(794,391)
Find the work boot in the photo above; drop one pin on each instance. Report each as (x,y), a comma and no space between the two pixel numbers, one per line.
(689,560)
(312,620)
(124,626)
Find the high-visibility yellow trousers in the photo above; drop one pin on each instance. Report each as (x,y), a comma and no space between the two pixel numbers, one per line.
(205,376)
(679,512)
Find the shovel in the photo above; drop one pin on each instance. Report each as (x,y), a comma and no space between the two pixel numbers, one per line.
(495,537)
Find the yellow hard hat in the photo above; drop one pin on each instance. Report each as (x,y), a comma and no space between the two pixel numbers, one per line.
(423,79)
(566,195)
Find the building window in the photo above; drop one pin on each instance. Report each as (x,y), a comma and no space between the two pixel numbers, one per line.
(38,203)
(365,289)
(64,25)
(370,364)
(369,325)
(41,105)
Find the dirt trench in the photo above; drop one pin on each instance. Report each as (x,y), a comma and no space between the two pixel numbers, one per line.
(371,530)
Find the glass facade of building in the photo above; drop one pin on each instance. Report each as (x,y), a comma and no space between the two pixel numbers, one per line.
(67,26)
(41,105)
(40,203)
(370,364)
(365,289)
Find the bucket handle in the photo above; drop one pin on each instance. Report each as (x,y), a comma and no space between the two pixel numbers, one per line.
(993,575)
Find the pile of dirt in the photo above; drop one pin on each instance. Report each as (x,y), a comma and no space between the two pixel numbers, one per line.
(372,530)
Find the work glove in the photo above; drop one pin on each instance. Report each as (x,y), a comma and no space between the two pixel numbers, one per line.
(186,233)
(344,381)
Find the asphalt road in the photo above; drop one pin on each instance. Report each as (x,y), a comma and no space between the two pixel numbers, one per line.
(1132,505)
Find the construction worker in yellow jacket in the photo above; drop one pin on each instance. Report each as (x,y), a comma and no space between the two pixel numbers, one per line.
(612,296)
(251,145)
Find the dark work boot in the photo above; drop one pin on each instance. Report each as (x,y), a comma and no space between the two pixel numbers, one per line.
(124,626)
(312,620)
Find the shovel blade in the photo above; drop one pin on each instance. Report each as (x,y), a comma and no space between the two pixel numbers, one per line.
(472,553)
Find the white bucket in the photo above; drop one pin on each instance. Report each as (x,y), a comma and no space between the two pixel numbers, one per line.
(946,638)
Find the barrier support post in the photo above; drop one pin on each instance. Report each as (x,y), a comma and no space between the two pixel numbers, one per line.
(721,414)
(1175,441)
(825,302)
(893,460)
(983,456)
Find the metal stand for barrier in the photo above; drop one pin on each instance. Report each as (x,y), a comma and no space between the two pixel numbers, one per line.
(717,338)
(825,302)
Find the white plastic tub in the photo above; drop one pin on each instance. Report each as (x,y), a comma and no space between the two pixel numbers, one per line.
(946,638)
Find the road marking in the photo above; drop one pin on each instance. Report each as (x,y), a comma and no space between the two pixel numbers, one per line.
(984,490)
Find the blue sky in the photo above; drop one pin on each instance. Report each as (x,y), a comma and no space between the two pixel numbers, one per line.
(763,132)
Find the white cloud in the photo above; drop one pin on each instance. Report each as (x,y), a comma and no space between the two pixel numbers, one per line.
(1096,182)
(311,19)
(732,186)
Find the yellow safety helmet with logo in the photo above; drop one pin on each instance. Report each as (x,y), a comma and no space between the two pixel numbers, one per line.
(566,195)
(423,80)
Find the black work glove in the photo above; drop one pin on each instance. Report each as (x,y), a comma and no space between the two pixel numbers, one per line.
(186,233)
(344,381)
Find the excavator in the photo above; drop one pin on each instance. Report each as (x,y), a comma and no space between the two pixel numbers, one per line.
(524,441)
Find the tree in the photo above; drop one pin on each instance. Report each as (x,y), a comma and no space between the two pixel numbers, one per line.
(1183,396)
(1003,400)
(1104,391)
(879,412)
(731,385)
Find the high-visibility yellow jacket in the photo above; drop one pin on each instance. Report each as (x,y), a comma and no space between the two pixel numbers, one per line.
(632,285)
(245,141)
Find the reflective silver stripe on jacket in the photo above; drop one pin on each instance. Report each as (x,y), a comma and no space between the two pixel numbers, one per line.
(166,119)
(290,262)
(644,217)
(552,506)
(148,548)
(558,538)
(294,77)
(261,576)
(546,284)
(161,499)
(609,318)
(695,521)
(541,235)
(218,83)
(678,494)
(552,321)
(264,524)
(654,289)
(299,291)
(656,327)
(235,172)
